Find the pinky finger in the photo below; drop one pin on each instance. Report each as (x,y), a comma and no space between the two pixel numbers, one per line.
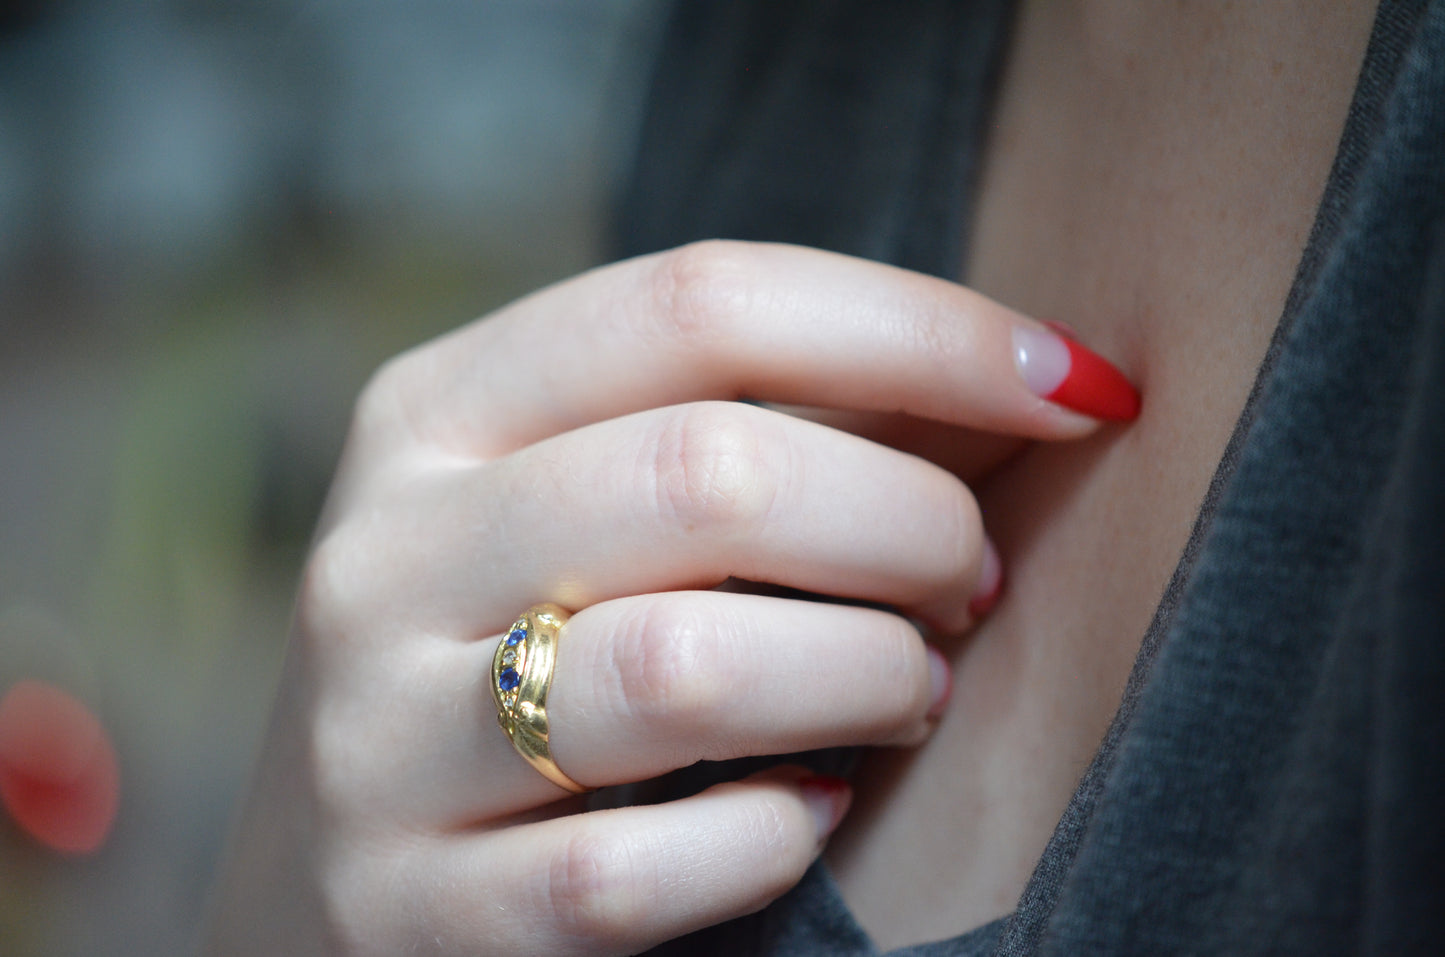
(621,881)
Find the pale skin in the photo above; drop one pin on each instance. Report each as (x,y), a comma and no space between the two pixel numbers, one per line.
(573,448)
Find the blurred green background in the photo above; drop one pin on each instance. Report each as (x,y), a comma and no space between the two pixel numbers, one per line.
(215,220)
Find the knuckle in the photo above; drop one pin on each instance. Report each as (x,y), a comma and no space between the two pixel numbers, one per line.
(391,407)
(351,591)
(700,290)
(592,888)
(326,583)
(336,762)
(929,329)
(711,468)
(346,901)
(337,579)
(936,332)
(379,401)
(668,673)
(361,884)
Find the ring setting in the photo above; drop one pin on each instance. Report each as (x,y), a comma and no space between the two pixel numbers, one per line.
(521,677)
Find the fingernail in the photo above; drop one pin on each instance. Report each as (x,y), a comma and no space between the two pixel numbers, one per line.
(990,583)
(1063,371)
(828,798)
(940,682)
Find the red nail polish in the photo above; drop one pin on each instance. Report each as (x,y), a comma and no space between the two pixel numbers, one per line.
(1058,368)
(1094,387)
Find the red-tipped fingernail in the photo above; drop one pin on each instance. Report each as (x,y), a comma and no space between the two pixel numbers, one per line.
(990,583)
(58,773)
(828,798)
(1063,371)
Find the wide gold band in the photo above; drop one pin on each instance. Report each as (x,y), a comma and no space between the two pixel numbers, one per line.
(521,676)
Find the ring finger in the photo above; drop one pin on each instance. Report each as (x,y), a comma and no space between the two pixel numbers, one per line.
(684,497)
(647,684)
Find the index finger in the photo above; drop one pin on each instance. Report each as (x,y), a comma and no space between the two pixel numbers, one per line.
(722,320)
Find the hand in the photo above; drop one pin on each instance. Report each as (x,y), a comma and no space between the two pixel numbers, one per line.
(572,448)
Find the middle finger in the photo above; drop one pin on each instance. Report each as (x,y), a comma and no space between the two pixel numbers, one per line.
(683,497)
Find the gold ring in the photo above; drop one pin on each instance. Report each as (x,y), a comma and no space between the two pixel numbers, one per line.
(521,676)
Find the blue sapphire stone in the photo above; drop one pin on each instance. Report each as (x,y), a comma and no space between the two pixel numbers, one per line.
(515,638)
(508,679)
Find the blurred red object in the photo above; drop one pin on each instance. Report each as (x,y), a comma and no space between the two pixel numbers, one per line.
(59,778)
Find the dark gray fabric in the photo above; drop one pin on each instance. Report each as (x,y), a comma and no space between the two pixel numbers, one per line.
(1275,779)
(828,124)
(1238,815)
(1396,29)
